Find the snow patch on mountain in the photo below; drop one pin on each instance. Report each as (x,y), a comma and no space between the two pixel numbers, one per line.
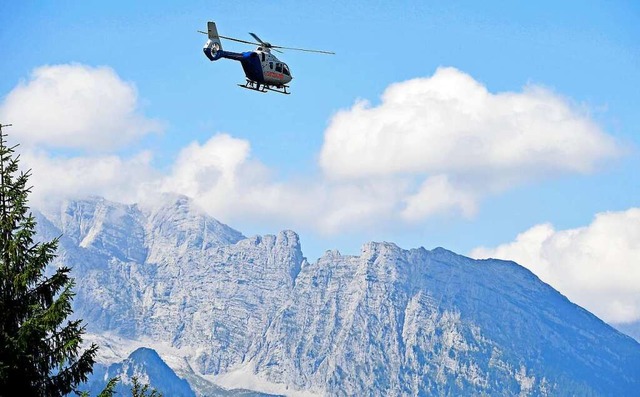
(246,376)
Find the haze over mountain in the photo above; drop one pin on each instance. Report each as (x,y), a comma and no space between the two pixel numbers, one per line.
(229,313)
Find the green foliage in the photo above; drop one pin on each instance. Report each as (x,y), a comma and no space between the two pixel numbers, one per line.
(40,350)
(139,390)
(109,390)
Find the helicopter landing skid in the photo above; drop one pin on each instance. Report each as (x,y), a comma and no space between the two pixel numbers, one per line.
(282,89)
(252,85)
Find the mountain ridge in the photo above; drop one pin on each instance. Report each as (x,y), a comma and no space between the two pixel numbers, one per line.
(388,321)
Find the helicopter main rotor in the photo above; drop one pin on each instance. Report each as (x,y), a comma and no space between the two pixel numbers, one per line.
(269,45)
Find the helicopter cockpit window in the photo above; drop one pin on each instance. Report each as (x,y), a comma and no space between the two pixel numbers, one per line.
(263,57)
(285,69)
(279,67)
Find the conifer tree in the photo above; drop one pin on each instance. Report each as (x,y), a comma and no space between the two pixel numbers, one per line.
(40,349)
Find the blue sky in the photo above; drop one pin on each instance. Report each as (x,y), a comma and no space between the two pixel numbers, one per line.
(584,55)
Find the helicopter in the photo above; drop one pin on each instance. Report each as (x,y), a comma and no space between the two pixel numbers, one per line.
(263,70)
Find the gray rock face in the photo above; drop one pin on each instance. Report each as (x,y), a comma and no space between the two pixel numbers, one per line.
(435,323)
(387,322)
(176,275)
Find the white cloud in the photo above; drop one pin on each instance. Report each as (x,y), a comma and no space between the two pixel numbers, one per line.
(450,123)
(223,178)
(56,178)
(451,128)
(597,266)
(75,106)
(434,145)
(213,165)
(438,195)
(357,205)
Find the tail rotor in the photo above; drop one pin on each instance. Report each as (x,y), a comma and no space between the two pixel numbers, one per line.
(213,47)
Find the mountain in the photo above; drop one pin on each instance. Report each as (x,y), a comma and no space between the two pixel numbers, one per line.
(438,323)
(148,367)
(226,312)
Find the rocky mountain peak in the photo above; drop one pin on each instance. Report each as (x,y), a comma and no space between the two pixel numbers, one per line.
(224,308)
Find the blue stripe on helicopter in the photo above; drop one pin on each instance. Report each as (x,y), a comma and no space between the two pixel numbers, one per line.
(252,67)
(249,60)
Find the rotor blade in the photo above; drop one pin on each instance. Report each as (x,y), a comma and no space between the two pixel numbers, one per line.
(257,38)
(239,41)
(303,49)
(232,39)
(260,42)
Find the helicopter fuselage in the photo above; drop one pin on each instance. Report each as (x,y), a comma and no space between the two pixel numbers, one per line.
(263,70)
(260,66)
